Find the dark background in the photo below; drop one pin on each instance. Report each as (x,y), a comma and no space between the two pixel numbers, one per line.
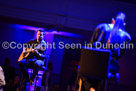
(19,20)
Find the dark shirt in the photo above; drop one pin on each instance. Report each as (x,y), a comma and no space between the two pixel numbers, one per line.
(40,46)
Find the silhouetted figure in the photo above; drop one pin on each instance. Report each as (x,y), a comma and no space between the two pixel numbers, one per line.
(47,77)
(16,83)
(9,73)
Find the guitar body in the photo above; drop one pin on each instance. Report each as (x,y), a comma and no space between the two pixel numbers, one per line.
(24,54)
(27,51)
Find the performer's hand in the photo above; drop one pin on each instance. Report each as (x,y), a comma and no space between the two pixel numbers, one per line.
(33,50)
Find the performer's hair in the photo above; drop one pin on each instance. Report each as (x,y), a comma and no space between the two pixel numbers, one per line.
(41,30)
(120,20)
(121,14)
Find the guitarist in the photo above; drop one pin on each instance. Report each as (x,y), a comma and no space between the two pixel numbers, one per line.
(35,58)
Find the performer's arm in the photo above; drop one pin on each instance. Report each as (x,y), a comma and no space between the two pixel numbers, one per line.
(97,35)
(41,55)
(93,39)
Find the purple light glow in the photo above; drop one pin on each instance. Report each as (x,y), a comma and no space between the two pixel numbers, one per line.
(65,34)
(32,28)
(26,27)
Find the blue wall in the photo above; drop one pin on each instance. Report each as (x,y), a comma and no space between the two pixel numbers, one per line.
(11,33)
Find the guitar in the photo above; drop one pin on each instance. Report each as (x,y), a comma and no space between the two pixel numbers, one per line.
(27,51)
